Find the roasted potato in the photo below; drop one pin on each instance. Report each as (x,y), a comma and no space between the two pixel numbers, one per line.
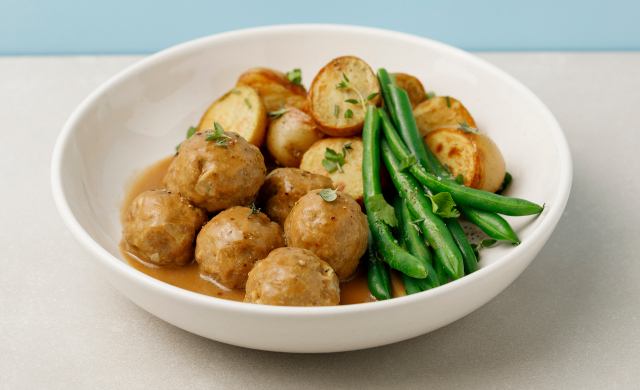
(242,111)
(472,154)
(414,88)
(327,102)
(436,113)
(350,180)
(291,135)
(275,88)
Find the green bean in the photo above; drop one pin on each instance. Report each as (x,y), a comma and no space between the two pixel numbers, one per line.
(478,199)
(388,249)
(377,276)
(441,272)
(385,80)
(460,237)
(433,228)
(411,285)
(491,223)
(413,242)
(406,124)
(436,167)
(408,234)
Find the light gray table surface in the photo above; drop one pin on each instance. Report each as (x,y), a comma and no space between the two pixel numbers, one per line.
(571,320)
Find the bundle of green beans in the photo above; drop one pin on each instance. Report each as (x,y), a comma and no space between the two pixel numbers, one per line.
(442,251)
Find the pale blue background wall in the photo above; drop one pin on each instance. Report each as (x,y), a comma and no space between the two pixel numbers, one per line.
(144,26)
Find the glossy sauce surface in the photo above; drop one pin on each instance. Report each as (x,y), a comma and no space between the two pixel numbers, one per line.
(188,277)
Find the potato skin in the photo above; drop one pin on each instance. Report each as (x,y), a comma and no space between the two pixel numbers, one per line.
(275,88)
(290,136)
(414,88)
(336,231)
(160,228)
(474,155)
(293,277)
(349,181)
(233,113)
(232,242)
(434,114)
(284,186)
(324,96)
(216,177)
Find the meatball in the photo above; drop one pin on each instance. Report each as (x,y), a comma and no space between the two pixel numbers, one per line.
(160,227)
(293,277)
(233,241)
(218,174)
(284,186)
(336,231)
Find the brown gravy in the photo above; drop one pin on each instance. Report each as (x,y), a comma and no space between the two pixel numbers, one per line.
(188,277)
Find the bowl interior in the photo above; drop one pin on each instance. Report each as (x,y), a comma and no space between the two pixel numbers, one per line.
(140,115)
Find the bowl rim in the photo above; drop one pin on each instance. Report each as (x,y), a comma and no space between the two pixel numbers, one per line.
(169,291)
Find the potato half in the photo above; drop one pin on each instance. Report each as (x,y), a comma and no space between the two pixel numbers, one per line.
(275,88)
(474,155)
(436,113)
(240,110)
(414,88)
(327,102)
(350,180)
(290,136)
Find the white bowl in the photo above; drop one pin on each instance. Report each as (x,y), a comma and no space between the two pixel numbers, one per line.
(138,116)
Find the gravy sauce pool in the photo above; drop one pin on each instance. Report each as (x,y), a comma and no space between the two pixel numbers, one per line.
(188,277)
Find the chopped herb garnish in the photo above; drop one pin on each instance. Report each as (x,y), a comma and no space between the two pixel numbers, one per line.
(295,76)
(407,162)
(372,96)
(217,135)
(333,160)
(443,205)
(348,114)
(464,126)
(278,113)
(335,110)
(416,222)
(343,83)
(448,102)
(236,92)
(254,210)
(246,101)
(505,183)
(346,84)
(487,243)
(328,194)
(192,130)
(383,210)
(460,178)
(331,166)
(507,179)
(430,95)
